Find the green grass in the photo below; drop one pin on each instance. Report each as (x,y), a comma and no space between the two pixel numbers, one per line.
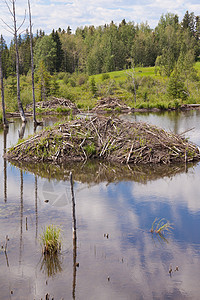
(62,109)
(197,67)
(151,90)
(122,75)
(50,239)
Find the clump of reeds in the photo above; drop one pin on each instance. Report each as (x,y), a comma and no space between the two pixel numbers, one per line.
(161,226)
(51,240)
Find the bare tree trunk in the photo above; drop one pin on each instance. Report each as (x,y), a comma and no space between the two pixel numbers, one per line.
(20,107)
(5,123)
(14,30)
(132,75)
(32,65)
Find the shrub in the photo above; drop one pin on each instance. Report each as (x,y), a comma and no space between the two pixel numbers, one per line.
(82,79)
(65,93)
(176,87)
(61,75)
(93,87)
(66,78)
(105,76)
(161,105)
(26,96)
(72,82)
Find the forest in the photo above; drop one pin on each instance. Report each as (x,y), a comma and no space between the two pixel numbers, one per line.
(65,63)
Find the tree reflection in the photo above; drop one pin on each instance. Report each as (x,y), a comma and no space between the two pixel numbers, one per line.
(5,132)
(94,172)
(36,208)
(22,130)
(21,214)
(74,239)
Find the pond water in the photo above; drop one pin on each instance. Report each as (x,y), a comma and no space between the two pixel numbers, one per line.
(116,256)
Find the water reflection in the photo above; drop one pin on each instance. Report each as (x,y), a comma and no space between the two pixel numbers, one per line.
(5,133)
(36,207)
(74,234)
(51,264)
(110,199)
(94,172)
(21,215)
(22,131)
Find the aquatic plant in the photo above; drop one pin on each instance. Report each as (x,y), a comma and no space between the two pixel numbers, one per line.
(160,226)
(50,239)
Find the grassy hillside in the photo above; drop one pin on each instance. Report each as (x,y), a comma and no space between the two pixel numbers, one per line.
(152,90)
(122,75)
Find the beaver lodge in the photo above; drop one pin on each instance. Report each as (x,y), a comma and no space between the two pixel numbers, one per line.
(105,138)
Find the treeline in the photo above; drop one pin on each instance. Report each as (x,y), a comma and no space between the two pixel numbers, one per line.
(111,47)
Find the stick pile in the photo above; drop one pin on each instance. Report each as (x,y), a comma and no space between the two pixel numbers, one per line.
(56,102)
(110,103)
(106,138)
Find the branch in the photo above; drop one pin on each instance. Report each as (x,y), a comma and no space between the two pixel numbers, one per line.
(11,29)
(23,31)
(9,8)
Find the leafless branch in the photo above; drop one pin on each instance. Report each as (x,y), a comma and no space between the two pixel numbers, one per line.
(23,31)
(12,29)
(9,8)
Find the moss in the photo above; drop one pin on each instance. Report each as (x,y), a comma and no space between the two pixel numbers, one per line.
(90,149)
(118,109)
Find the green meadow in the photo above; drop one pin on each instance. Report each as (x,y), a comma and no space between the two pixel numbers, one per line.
(151,89)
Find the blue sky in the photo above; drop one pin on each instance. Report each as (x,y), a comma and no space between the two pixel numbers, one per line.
(49,14)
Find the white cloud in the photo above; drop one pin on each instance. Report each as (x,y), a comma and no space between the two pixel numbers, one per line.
(49,14)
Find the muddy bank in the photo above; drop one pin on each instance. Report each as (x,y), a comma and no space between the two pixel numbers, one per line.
(106,139)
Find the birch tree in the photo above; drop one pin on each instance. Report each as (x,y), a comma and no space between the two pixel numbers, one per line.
(131,74)
(5,123)
(15,30)
(32,65)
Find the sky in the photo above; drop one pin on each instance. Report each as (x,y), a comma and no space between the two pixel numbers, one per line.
(49,14)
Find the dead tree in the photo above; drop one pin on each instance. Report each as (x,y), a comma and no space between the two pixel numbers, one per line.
(14,30)
(131,74)
(32,65)
(5,123)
